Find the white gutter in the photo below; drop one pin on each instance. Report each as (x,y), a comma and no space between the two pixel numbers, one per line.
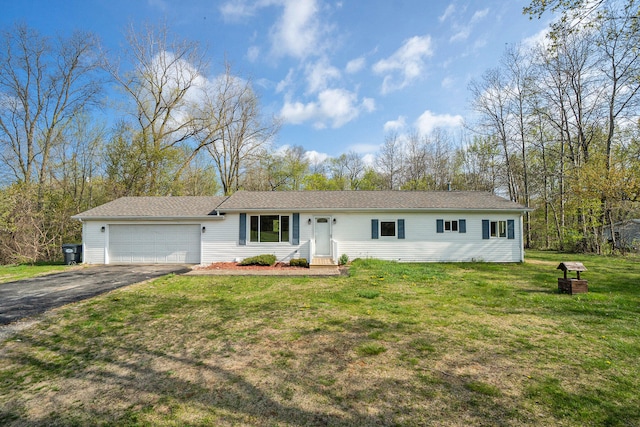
(217,217)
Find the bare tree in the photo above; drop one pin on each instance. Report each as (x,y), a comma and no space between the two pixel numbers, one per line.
(480,163)
(490,100)
(416,159)
(440,158)
(520,75)
(233,129)
(620,56)
(347,170)
(389,161)
(44,84)
(355,168)
(162,87)
(77,162)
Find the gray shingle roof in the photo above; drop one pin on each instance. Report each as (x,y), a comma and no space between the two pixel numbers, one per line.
(364,200)
(195,206)
(154,207)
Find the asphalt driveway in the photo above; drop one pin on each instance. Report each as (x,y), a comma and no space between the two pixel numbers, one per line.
(29,297)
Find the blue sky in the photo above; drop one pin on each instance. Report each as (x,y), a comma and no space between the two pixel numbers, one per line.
(340,74)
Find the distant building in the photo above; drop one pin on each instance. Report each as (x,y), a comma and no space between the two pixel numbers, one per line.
(627,234)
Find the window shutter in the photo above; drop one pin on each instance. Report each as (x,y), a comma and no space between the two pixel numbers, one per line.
(485,228)
(462,226)
(374,228)
(295,240)
(401,229)
(439,225)
(511,229)
(243,229)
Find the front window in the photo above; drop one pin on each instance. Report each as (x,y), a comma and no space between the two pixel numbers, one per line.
(269,228)
(388,228)
(451,226)
(498,228)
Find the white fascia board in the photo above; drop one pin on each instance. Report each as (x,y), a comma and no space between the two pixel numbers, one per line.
(149,218)
(358,210)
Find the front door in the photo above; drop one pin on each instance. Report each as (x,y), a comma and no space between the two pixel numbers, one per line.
(323,236)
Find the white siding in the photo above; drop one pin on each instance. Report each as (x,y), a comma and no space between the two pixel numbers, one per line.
(93,242)
(423,243)
(352,236)
(224,244)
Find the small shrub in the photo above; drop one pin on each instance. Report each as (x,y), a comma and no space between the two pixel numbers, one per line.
(266,260)
(343,260)
(299,262)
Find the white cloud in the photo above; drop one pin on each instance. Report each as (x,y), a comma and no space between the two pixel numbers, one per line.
(297,31)
(428,121)
(479,43)
(364,148)
(405,65)
(394,125)
(159,4)
(448,82)
(479,15)
(462,32)
(297,112)
(232,11)
(333,107)
(286,82)
(339,106)
(320,74)
(447,13)
(315,158)
(253,53)
(236,10)
(538,39)
(369,159)
(368,104)
(355,65)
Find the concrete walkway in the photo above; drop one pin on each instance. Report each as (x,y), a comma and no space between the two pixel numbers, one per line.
(285,272)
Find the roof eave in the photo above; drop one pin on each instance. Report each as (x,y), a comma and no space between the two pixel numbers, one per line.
(293,209)
(148,218)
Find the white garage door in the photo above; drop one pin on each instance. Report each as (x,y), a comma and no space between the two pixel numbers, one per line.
(154,244)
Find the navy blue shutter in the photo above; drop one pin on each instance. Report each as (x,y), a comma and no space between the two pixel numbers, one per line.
(295,240)
(462,226)
(439,226)
(511,229)
(401,229)
(374,228)
(485,228)
(243,229)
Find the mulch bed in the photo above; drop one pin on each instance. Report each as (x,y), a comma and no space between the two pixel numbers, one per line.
(236,266)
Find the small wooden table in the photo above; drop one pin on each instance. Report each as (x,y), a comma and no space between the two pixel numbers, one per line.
(572,285)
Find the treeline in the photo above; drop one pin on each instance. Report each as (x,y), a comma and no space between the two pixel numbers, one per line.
(555,128)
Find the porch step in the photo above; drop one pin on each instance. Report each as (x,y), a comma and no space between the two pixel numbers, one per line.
(323,264)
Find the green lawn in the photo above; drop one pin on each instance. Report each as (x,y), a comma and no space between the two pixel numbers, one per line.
(9,273)
(392,344)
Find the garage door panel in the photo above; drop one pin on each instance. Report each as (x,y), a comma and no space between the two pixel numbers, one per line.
(154,244)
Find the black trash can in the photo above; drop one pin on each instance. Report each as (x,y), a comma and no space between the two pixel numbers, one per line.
(72,253)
